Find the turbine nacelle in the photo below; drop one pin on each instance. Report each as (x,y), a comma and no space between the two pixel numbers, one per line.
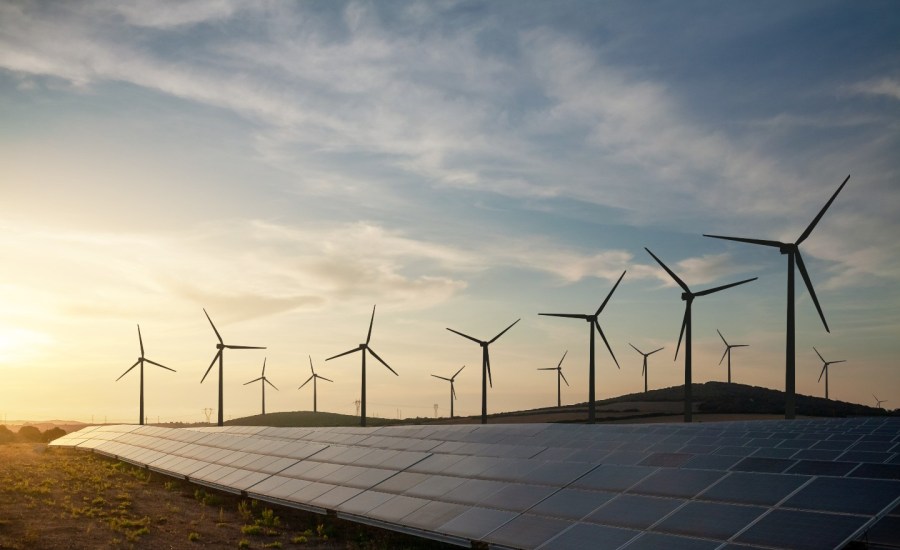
(787,248)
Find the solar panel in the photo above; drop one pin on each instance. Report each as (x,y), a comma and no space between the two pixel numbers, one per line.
(732,485)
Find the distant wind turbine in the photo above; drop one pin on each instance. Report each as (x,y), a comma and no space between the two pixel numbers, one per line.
(559,376)
(648,354)
(878,402)
(140,361)
(365,348)
(221,347)
(593,323)
(792,251)
(485,365)
(728,353)
(262,382)
(688,298)
(825,365)
(314,378)
(452,379)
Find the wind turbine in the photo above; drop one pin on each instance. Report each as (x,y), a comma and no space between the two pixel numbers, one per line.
(221,346)
(262,382)
(728,353)
(140,361)
(365,348)
(644,372)
(688,298)
(792,250)
(878,402)
(559,376)
(314,378)
(452,389)
(825,365)
(485,365)
(592,324)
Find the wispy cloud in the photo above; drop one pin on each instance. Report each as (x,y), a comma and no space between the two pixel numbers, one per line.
(887,86)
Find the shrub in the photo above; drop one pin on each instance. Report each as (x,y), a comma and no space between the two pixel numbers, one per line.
(53,433)
(6,436)
(30,434)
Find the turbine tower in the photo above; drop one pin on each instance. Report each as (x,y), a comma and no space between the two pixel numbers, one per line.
(688,297)
(559,376)
(140,361)
(825,365)
(648,354)
(452,389)
(592,324)
(262,382)
(728,353)
(364,348)
(314,378)
(485,365)
(792,251)
(221,347)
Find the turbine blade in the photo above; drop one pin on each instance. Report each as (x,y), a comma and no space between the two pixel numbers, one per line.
(494,339)
(669,271)
(568,315)
(264,366)
(839,361)
(821,213)
(141,340)
(547,368)
(635,349)
(823,371)
(308,380)
(452,378)
(741,346)
(723,355)
(254,380)
(341,354)
(561,360)
(323,378)
(563,377)
(442,378)
(219,336)
(603,336)
(266,380)
(723,287)
(372,351)
(487,360)
(722,337)
(762,242)
(245,347)
(681,334)
(216,358)
(476,340)
(819,354)
(608,296)
(371,322)
(158,365)
(809,286)
(644,369)
(657,349)
(311,369)
(129,369)
(452,391)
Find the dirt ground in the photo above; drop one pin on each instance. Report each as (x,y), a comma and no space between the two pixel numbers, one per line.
(60,498)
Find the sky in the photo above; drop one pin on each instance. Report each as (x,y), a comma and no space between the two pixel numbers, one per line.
(288,165)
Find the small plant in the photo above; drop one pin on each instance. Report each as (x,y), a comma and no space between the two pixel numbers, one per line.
(244,510)
(193,536)
(275,544)
(244,543)
(269,519)
(299,539)
(251,530)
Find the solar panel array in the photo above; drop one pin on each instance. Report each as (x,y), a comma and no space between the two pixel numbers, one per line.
(804,484)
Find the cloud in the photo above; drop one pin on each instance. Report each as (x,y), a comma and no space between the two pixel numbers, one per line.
(887,86)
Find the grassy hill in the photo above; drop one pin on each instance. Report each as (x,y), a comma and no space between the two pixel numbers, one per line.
(295,419)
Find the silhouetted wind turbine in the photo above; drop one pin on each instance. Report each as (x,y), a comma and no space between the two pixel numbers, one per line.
(140,361)
(452,389)
(314,378)
(825,365)
(592,324)
(792,250)
(559,376)
(644,372)
(485,365)
(688,298)
(365,348)
(728,353)
(878,402)
(262,382)
(221,346)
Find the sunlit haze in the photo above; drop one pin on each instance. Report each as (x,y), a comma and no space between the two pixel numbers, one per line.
(460,164)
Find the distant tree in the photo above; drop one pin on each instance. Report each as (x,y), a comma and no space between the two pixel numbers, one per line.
(30,433)
(6,436)
(53,433)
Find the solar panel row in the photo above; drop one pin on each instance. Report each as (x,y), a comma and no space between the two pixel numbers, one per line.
(726,485)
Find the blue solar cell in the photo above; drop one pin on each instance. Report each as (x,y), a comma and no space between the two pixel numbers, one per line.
(587,535)
(684,483)
(572,503)
(634,511)
(527,531)
(864,456)
(821,468)
(669,460)
(816,454)
(613,478)
(879,471)
(709,520)
(517,497)
(754,488)
(656,541)
(762,465)
(801,530)
(712,462)
(476,523)
(841,494)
